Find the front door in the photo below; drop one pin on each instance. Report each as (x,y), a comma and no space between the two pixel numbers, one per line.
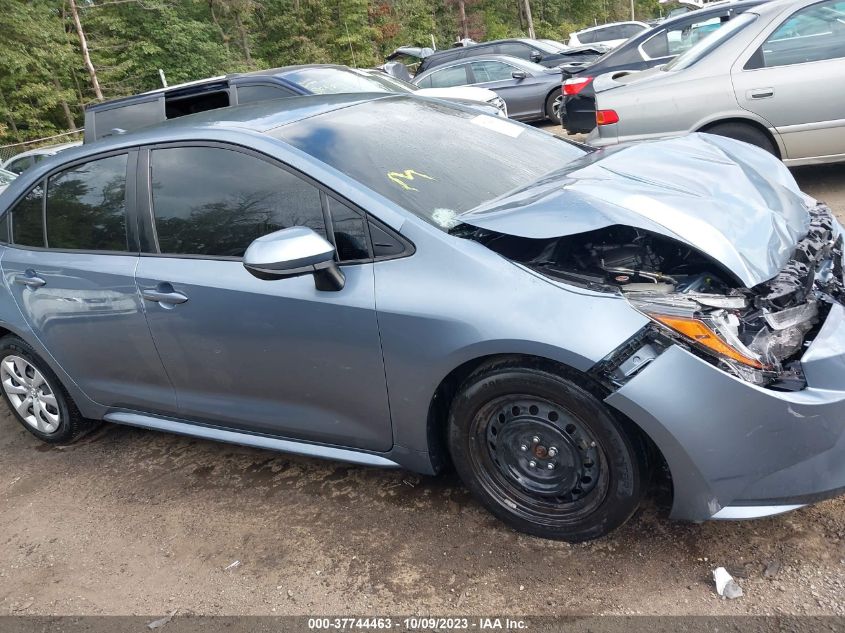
(521,95)
(74,283)
(277,357)
(793,79)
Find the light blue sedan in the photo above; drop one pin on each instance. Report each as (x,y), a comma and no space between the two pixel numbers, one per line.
(400,282)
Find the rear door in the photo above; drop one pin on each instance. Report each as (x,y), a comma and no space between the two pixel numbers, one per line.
(270,356)
(793,78)
(70,267)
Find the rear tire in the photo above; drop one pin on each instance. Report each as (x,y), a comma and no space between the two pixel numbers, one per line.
(554,105)
(744,132)
(543,454)
(35,396)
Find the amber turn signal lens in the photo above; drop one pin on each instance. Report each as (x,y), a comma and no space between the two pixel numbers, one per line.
(606,117)
(699,333)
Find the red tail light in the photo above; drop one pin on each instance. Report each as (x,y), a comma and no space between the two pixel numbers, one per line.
(574,85)
(606,117)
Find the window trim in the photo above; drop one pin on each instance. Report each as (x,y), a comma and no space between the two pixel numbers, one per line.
(131,210)
(146,218)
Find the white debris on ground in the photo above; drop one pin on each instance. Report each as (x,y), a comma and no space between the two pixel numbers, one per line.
(726,586)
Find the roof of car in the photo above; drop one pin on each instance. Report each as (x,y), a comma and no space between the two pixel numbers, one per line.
(515,61)
(458,49)
(609,24)
(210,81)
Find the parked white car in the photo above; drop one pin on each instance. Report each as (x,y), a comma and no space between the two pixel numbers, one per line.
(20,162)
(6,178)
(610,35)
(468,95)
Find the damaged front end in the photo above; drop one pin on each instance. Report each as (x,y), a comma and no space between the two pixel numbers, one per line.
(755,333)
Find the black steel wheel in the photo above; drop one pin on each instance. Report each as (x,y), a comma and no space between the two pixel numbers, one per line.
(543,454)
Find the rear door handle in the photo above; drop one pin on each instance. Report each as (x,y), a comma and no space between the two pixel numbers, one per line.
(164,294)
(761,93)
(30,279)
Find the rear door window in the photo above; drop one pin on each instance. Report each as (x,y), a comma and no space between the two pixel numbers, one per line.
(812,34)
(629,30)
(86,206)
(514,49)
(214,201)
(587,37)
(448,77)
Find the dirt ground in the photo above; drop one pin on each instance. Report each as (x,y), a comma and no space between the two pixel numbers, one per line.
(137,522)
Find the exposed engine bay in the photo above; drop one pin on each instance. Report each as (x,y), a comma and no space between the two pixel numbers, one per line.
(758,334)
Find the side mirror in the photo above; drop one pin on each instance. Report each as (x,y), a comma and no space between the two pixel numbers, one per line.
(294,252)
(519,74)
(536,57)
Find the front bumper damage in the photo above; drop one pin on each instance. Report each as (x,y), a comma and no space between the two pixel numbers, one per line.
(737,449)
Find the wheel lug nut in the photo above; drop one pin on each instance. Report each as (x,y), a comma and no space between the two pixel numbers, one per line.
(535,439)
(532,463)
(552,451)
(550,466)
(523,447)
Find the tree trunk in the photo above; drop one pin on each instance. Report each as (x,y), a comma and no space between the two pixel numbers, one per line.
(65,107)
(463,15)
(244,38)
(521,12)
(529,19)
(9,118)
(83,43)
(214,19)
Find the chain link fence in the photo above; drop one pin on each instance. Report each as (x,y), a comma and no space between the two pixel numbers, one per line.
(7,151)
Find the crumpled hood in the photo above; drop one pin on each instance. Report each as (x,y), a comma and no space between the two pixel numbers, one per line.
(732,201)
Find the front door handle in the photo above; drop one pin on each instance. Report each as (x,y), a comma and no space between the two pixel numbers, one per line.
(761,93)
(165,294)
(30,279)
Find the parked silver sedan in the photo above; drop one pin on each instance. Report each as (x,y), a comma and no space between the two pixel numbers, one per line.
(773,77)
(532,92)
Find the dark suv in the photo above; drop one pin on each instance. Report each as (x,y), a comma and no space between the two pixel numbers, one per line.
(650,48)
(543,52)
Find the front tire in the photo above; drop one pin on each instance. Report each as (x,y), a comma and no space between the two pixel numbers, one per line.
(35,396)
(543,454)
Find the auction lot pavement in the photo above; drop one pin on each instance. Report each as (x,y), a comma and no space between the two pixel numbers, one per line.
(136,522)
